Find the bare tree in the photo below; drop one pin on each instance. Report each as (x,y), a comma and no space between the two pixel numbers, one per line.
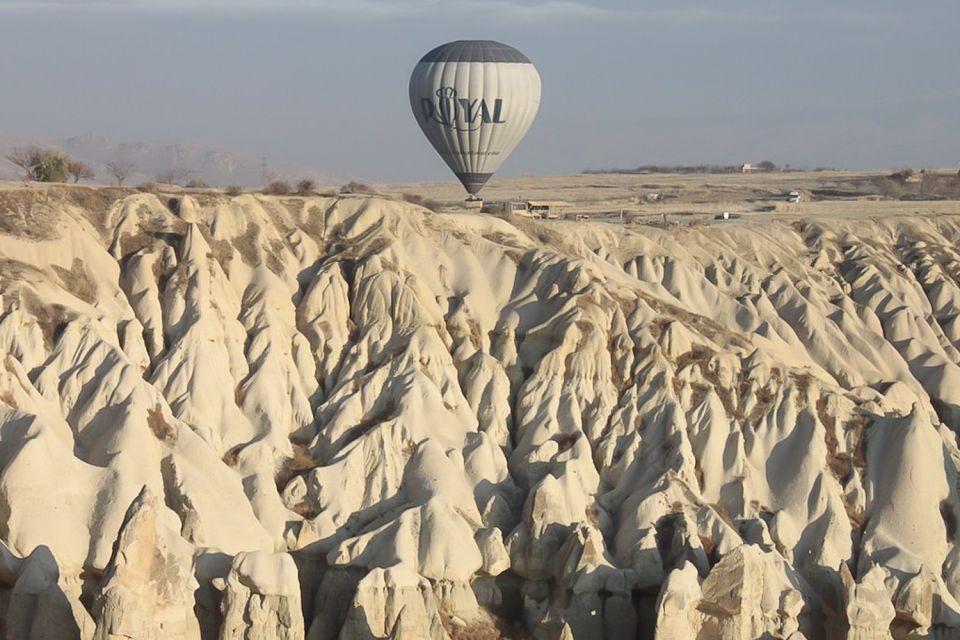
(80,170)
(174,176)
(25,158)
(120,169)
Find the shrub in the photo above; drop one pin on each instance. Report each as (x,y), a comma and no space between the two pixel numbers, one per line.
(52,166)
(198,183)
(147,187)
(233,190)
(278,188)
(356,187)
(42,165)
(306,187)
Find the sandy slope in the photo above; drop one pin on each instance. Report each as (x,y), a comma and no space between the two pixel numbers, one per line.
(323,418)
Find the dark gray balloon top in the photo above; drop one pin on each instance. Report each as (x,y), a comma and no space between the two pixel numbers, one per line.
(474,51)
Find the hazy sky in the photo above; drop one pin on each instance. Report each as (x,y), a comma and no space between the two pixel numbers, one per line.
(865,84)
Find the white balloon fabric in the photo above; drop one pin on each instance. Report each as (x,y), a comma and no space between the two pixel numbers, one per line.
(474,100)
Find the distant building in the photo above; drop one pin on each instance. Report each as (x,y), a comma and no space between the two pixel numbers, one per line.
(746,167)
(528,209)
(547,208)
(515,208)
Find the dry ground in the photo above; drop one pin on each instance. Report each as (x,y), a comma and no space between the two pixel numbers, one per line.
(695,197)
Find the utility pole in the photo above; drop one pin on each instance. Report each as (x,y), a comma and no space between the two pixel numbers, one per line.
(263,169)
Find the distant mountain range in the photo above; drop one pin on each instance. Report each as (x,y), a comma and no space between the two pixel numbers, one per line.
(181,161)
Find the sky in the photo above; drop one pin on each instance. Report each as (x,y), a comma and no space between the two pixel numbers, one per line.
(323,83)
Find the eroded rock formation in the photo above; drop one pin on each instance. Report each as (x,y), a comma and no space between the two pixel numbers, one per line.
(350,417)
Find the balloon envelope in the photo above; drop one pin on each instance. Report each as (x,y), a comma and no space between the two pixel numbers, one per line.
(474,100)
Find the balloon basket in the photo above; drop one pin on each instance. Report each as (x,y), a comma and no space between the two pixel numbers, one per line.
(473,202)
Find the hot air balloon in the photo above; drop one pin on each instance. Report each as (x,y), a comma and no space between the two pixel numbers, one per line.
(474,100)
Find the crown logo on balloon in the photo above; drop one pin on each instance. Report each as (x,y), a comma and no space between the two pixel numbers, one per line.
(461,114)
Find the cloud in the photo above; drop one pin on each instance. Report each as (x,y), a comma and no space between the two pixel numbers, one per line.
(367,7)
(757,13)
(480,9)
